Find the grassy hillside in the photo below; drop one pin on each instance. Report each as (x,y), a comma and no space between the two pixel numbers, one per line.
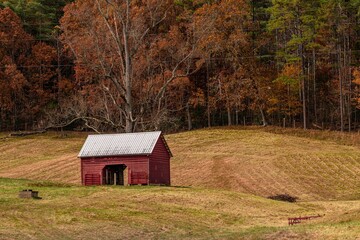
(219,176)
(248,160)
(74,212)
(47,157)
(264,163)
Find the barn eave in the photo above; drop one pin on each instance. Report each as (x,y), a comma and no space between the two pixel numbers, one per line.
(114,156)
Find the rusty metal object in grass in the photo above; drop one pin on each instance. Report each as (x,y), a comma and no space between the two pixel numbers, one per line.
(298,220)
(28,193)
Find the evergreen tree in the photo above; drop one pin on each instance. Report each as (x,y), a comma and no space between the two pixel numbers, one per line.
(39,16)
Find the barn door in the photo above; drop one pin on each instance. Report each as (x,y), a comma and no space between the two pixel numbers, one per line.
(114,174)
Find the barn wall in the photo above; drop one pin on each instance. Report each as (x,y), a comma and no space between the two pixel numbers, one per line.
(159,164)
(137,166)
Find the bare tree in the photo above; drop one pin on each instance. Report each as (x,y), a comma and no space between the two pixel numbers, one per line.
(110,47)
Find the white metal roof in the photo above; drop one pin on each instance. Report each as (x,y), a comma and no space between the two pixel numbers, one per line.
(102,145)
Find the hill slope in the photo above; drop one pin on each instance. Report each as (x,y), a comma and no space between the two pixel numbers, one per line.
(46,157)
(263,163)
(224,169)
(246,160)
(76,212)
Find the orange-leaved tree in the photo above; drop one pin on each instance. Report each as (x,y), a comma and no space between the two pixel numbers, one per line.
(14,44)
(129,52)
(227,45)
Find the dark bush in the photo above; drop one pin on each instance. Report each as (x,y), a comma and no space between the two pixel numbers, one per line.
(283,197)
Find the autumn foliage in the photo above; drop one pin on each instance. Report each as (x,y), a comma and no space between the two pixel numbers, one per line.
(162,64)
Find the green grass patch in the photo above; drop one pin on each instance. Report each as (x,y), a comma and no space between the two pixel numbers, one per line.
(67,211)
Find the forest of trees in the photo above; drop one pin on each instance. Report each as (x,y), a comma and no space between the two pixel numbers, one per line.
(135,65)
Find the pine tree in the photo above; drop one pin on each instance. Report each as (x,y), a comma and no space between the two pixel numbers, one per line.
(39,17)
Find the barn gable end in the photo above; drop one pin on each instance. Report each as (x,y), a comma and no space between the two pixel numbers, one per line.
(159,164)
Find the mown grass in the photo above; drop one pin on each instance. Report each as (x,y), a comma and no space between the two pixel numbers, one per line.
(260,161)
(34,156)
(344,138)
(256,161)
(75,212)
(224,176)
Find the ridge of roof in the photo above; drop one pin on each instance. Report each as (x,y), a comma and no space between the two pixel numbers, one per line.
(132,133)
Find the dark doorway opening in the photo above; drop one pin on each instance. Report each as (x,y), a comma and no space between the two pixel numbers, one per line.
(115,175)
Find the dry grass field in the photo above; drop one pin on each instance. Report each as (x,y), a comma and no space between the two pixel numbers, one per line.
(47,157)
(220,179)
(265,163)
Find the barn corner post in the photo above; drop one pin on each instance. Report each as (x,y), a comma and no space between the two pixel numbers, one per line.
(169,173)
(149,176)
(82,172)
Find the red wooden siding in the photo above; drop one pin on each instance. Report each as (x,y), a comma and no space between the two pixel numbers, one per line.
(137,167)
(92,179)
(159,165)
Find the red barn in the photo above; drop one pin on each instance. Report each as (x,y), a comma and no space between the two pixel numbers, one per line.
(127,158)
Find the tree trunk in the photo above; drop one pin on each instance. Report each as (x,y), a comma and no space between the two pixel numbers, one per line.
(341,103)
(263,119)
(350,92)
(188,116)
(237,117)
(129,127)
(304,101)
(314,82)
(208,95)
(229,116)
(347,79)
